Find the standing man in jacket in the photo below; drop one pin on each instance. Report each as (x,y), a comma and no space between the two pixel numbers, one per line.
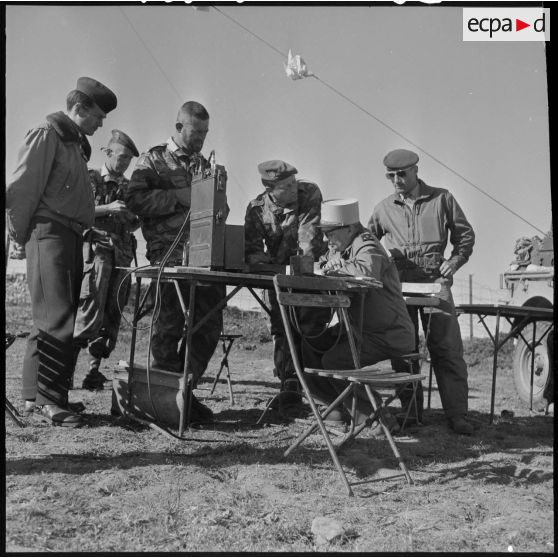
(417,221)
(159,193)
(112,245)
(282,222)
(50,203)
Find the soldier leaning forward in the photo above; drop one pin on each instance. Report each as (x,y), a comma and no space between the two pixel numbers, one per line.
(110,244)
(280,223)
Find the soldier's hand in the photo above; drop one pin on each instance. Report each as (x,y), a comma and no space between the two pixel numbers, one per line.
(334,263)
(446,269)
(184,196)
(117,207)
(17,251)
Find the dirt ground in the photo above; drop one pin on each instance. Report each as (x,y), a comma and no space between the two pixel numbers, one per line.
(119,486)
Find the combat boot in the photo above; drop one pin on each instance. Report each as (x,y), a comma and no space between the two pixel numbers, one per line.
(95,380)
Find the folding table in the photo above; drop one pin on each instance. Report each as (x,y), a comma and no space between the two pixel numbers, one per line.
(518,317)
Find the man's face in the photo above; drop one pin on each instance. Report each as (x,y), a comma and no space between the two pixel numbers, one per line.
(285,192)
(90,119)
(404,181)
(338,239)
(191,132)
(118,158)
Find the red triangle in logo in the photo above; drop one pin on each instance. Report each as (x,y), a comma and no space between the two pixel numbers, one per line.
(519,25)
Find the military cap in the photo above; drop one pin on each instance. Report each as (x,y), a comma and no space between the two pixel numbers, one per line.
(400,159)
(100,94)
(339,213)
(124,139)
(275,171)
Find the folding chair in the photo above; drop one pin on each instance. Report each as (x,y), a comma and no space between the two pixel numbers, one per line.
(295,292)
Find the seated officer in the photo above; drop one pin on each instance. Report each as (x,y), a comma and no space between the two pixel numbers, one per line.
(387,331)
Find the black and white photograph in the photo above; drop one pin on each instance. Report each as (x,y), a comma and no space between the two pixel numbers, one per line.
(279,278)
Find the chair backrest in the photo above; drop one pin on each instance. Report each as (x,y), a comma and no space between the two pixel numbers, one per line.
(295,291)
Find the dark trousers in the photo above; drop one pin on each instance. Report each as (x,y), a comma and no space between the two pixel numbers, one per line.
(169,328)
(332,351)
(101,299)
(54,270)
(446,351)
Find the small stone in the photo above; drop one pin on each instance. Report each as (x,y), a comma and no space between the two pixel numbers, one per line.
(326,529)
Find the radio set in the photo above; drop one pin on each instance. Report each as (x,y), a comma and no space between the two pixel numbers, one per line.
(213,244)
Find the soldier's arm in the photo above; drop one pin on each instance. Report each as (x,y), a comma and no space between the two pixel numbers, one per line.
(145,195)
(366,262)
(254,251)
(29,180)
(462,236)
(374,225)
(310,238)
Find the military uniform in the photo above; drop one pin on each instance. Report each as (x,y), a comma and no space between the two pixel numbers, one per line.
(152,195)
(272,234)
(387,331)
(50,203)
(113,245)
(417,235)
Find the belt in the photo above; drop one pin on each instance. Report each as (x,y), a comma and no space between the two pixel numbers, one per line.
(112,226)
(427,263)
(72,224)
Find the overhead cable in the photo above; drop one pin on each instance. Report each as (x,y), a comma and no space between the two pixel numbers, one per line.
(380,121)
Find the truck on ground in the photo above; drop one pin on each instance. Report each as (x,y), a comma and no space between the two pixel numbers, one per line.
(530,282)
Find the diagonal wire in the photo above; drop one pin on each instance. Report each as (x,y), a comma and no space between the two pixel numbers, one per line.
(179,96)
(380,121)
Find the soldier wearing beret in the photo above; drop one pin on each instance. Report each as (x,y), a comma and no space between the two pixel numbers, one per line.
(159,193)
(416,222)
(280,223)
(49,204)
(112,245)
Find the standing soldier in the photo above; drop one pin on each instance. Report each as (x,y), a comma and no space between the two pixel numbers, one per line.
(159,193)
(112,245)
(280,223)
(50,203)
(417,221)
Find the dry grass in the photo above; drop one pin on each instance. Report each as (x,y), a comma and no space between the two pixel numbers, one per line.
(117,486)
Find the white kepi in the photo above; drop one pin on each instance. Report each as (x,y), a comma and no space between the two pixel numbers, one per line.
(339,213)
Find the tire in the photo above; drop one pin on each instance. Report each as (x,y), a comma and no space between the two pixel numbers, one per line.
(542,371)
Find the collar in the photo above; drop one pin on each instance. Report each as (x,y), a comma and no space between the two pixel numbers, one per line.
(69,132)
(109,176)
(424,191)
(172,145)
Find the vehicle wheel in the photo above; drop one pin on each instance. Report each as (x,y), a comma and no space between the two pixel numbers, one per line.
(522,368)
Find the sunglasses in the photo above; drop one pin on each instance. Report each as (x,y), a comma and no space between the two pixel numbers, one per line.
(399,173)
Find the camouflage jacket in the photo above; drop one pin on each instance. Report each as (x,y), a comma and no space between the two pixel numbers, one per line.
(111,231)
(273,234)
(151,195)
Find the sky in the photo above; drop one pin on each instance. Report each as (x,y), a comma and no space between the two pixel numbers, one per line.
(479,109)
